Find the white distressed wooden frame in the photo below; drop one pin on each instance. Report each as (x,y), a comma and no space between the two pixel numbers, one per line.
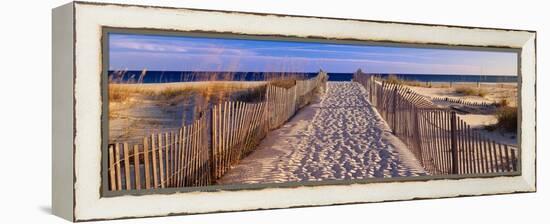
(78,30)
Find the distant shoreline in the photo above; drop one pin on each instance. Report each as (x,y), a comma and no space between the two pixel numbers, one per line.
(191,76)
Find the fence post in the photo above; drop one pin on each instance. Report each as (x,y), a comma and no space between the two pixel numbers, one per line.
(417,134)
(382,98)
(394,120)
(454,149)
(211,147)
(267,102)
(371,92)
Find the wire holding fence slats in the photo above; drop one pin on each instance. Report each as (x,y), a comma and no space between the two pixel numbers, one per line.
(199,153)
(440,140)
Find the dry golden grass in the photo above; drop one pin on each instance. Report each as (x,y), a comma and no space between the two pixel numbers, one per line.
(393,79)
(504,102)
(470,91)
(216,85)
(418,84)
(123,92)
(118,95)
(507,118)
(289,83)
(284,80)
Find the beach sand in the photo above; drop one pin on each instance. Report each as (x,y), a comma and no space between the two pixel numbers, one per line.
(339,137)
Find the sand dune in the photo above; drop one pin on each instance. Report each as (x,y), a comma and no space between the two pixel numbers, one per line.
(494,92)
(147,110)
(340,137)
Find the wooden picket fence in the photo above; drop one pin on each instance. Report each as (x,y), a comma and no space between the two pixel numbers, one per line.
(170,159)
(441,141)
(237,127)
(459,148)
(200,153)
(282,103)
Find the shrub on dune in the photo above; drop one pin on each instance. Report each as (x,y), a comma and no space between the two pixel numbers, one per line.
(503,103)
(469,91)
(507,118)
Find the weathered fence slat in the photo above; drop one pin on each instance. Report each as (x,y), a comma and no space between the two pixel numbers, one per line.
(137,175)
(117,163)
(155,162)
(112,161)
(161,160)
(146,163)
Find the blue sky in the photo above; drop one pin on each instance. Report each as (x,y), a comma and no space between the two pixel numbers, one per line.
(176,53)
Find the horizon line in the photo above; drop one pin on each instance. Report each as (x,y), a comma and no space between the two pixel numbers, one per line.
(370,73)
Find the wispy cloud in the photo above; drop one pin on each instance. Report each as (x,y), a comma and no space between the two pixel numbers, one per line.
(185,53)
(147,47)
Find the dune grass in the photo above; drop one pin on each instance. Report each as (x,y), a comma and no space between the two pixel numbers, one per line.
(393,79)
(470,91)
(123,92)
(289,83)
(507,118)
(123,86)
(118,94)
(503,102)
(218,89)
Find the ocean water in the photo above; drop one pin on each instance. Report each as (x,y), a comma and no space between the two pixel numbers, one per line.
(456,78)
(434,78)
(186,76)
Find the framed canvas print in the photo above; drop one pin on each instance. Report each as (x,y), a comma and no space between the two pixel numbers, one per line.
(193,112)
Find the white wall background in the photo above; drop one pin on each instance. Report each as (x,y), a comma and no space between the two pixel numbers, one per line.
(25,114)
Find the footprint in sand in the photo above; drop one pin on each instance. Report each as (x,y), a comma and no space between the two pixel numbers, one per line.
(345,138)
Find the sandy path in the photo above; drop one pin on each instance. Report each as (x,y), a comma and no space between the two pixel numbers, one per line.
(341,137)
